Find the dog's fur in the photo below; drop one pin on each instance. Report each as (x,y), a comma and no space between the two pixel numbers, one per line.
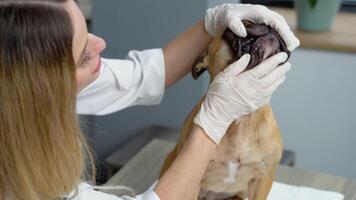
(245,162)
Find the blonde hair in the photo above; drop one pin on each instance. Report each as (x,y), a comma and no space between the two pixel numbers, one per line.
(42,150)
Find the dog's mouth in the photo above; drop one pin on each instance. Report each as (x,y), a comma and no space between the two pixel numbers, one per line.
(261,42)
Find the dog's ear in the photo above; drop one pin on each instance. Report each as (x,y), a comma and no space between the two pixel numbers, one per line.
(200,66)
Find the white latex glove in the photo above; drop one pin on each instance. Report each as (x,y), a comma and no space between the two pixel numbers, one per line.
(233,94)
(217,19)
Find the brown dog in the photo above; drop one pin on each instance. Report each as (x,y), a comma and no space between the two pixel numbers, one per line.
(245,161)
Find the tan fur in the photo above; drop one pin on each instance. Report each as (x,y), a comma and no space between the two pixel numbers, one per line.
(253,144)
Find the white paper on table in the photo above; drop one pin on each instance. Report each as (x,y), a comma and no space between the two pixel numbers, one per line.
(281,191)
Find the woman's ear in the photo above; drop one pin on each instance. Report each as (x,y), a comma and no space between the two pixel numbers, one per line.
(199,67)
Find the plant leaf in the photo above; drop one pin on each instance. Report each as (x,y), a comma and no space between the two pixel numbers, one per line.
(312,3)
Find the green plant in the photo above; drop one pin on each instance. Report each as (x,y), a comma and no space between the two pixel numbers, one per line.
(312,3)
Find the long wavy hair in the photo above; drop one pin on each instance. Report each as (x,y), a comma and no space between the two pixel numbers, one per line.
(43,153)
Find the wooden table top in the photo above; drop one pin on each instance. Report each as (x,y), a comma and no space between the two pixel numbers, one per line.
(141,171)
(341,37)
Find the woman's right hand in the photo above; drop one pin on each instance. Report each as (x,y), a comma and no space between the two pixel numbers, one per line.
(234,93)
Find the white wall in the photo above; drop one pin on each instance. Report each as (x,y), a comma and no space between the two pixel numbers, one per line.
(316,111)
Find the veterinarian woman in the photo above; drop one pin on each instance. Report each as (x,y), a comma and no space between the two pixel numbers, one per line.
(47,58)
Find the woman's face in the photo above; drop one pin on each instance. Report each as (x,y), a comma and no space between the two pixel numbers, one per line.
(86,48)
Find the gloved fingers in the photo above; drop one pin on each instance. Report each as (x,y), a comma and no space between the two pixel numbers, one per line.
(278,22)
(257,14)
(281,26)
(268,65)
(276,74)
(262,14)
(238,66)
(275,85)
(212,20)
(233,21)
(291,41)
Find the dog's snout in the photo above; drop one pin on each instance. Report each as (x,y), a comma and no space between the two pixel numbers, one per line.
(261,42)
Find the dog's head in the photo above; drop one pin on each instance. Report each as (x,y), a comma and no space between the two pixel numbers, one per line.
(261,42)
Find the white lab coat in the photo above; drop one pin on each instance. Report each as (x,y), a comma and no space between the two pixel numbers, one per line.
(137,80)
(86,192)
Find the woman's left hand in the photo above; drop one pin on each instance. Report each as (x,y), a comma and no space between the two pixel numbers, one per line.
(217,19)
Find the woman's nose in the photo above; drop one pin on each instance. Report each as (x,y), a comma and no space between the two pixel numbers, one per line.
(99,43)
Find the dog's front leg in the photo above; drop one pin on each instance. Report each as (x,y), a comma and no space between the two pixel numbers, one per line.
(260,188)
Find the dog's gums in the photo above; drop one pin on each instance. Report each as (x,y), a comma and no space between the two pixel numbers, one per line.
(261,42)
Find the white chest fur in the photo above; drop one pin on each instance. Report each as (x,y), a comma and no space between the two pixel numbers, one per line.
(232,168)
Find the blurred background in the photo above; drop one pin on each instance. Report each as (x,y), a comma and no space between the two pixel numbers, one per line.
(315,107)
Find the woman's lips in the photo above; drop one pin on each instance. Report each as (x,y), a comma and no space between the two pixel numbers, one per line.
(98,65)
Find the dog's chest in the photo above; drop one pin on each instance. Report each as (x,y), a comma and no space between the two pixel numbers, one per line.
(240,157)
